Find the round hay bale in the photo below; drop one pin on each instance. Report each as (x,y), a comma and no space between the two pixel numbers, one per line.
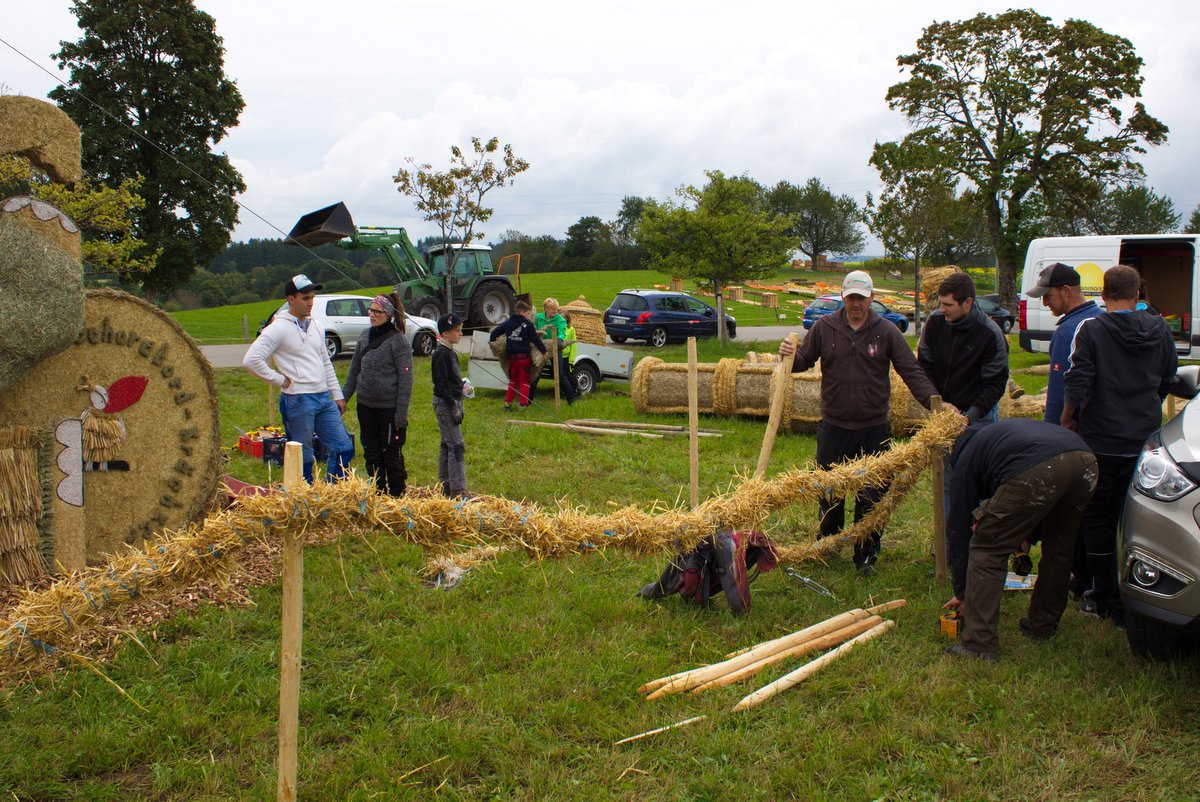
(20,505)
(41,295)
(42,133)
(931,279)
(133,404)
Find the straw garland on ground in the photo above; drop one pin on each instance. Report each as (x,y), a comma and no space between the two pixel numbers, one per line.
(42,620)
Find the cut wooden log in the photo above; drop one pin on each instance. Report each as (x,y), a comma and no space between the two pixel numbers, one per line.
(808,669)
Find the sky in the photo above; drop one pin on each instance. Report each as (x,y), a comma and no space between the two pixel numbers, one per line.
(604,99)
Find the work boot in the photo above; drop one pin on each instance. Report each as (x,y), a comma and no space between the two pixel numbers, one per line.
(958,650)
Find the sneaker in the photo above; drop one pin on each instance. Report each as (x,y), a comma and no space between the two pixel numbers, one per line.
(1028,631)
(1089,606)
(958,650)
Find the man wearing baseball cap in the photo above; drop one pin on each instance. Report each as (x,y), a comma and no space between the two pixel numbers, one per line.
(1058,286)
(857,349)
(311,396)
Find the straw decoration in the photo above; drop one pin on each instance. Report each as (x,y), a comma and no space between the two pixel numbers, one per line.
(441,525)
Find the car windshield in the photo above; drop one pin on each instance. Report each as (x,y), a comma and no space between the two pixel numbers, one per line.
(629,303)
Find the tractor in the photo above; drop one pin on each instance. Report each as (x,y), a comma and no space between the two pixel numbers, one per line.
(482,296)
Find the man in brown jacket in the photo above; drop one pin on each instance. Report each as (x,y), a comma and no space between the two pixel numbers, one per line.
(856,348)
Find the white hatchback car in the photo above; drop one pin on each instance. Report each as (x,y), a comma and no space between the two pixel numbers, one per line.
(344,318)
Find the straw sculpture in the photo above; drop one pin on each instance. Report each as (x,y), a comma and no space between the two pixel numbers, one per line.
(44,619)
(20,505)
(587,322)
(931,279)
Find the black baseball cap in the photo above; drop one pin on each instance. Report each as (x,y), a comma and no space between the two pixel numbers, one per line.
(447,322)
(1056,275)
(300,283)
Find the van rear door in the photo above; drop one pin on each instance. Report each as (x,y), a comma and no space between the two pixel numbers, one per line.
(1167,265)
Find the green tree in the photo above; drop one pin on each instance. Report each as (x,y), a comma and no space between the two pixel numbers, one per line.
(541,254)
(1193,225)
(1014,103)
(585,237)
(720,233)
(147,88)
(453,198)
(820,221)
(104,216)
(1134,209)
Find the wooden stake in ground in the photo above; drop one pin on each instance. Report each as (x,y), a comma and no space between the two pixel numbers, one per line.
(799,675)
(554,367)
(782,385)
(939,507)
(290,636)
(693,422)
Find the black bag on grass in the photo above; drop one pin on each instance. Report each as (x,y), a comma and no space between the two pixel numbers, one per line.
(719,563)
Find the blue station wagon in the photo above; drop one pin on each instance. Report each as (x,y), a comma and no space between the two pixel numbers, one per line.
(659,317)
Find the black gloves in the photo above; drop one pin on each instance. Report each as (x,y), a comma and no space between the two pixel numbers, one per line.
(458,414)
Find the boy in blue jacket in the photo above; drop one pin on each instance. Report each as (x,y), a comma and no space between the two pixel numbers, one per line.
(522,336)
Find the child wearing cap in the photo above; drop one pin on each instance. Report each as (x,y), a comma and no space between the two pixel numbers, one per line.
(448,406)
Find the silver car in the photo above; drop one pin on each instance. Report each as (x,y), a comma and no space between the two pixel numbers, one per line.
(1160,538)
(344,318)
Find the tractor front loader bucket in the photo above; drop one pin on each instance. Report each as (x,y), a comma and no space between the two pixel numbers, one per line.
(324,225)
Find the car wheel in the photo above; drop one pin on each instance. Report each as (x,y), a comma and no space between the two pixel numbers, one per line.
(1006,326)
(427,306)
(333,346)
(903,326)
(658,337)
(1152,639)
(586,378)
(617,340)
(423,343)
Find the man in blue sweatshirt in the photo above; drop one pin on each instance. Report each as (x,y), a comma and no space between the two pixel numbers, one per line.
(1059,288)
(1123,363)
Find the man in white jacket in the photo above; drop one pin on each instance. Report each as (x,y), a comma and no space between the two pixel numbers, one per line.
(311,397)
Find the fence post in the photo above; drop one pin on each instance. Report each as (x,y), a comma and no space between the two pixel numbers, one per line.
(290,635)
(939,507)
(693,422)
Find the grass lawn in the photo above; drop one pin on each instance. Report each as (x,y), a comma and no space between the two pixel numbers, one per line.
(515,684)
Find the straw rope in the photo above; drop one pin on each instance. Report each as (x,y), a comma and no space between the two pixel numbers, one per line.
(45,618)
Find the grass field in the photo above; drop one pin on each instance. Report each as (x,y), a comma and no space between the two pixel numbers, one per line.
(515,685)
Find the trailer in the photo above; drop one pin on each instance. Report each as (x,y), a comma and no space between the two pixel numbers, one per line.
(593,364)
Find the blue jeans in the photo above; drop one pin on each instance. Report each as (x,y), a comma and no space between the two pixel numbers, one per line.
(306,413)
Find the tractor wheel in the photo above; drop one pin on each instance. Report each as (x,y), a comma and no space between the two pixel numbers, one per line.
(492,304)
(427,306)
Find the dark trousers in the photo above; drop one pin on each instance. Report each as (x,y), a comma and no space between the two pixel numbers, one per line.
(834,445)
(566,382)
(1054,493)
(382,446)
(1099,532)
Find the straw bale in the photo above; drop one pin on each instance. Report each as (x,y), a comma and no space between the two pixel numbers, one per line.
(1026,406)
(44,620)
(144,403)
(41,299)
(761,358)
(931,279)
(20,505)
(587,322)
(48,222)
(42,133)
(737,387)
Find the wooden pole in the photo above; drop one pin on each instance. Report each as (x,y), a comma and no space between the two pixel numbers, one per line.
(781,387)
(693,422)
(939,508)
(574,427)
(290,636)
(245,329)
(804,672)
(270,404)
(554,356)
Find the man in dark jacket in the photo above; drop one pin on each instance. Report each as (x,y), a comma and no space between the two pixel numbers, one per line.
(963,351)
(1008,478)
(1123,363)
(856,348)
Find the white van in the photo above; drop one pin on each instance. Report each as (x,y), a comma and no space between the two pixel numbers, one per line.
(1167,262)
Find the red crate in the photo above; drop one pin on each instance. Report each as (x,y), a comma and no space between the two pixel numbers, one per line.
(251,447)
